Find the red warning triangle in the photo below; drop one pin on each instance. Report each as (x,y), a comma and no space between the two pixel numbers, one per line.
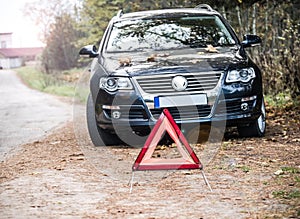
(189,159)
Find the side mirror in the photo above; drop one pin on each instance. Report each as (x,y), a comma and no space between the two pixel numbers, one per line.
(89,50)
(251,40)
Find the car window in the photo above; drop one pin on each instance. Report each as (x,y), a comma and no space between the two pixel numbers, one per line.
(168,33)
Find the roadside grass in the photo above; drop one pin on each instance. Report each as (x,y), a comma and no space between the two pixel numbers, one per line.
(293,170)
(81,94)
(32,77)
(59,84)
(293,174)
(281,101)
(294,194)
(60,90)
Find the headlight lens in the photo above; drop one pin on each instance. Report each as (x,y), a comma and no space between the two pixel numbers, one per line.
(115,83)
(243,75)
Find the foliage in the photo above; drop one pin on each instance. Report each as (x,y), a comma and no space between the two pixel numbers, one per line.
(279,55)
(58,24)
(66,27)
(44,12)
(94,18)
(61,52)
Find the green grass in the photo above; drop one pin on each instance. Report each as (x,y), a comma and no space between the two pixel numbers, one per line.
(281,100)
(45,83)
(287,194)
(245,169)
(81,94)
(294,170)
(61,90)
(32,77)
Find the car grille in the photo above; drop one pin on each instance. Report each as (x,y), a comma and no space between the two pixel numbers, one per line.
(162,84)
(184,113)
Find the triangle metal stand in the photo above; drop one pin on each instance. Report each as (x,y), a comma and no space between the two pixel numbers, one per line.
(202,172)
(189,159)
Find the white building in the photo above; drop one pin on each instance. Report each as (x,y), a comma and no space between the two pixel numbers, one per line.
(5,40)
(15,57)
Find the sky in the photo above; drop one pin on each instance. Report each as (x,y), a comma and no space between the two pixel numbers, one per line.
(25,33)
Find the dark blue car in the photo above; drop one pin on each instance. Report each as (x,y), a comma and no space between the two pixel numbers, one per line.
(189,61)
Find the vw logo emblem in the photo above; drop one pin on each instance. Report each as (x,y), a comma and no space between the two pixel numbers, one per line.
(179,83)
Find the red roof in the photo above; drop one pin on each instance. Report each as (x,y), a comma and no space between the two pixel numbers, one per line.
(20,52)
(10,33)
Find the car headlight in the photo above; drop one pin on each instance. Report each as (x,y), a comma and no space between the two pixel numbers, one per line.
(115,83)
(243,75)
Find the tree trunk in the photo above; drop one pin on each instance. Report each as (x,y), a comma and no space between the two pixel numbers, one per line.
(223,12)
(254,19)
(247,22)
(266,26)
(238,12)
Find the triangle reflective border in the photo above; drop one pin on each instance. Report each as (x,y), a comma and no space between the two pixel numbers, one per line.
(166,123)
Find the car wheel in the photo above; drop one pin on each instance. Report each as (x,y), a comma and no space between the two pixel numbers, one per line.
(256,129)
(98,136)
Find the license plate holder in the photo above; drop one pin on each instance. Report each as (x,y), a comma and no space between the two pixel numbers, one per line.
(183,100)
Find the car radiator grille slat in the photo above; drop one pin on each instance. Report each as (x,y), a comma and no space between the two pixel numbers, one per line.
(188,112)
(162,84)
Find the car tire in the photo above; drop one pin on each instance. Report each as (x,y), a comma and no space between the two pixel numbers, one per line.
(98,136)
(256,129)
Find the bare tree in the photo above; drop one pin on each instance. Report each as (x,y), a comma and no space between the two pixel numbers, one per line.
(43,13)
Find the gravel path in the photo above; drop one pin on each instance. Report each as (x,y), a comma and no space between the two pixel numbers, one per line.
(26,114)
(58,178)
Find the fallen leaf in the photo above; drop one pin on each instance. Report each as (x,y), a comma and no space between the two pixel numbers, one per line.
(211,49)
(125,61)
(278,172)
(152,58)
(55,142)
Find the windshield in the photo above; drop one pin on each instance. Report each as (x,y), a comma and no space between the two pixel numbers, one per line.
(168,33)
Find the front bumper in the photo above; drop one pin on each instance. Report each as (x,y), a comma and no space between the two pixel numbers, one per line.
(235,104)
(234,111)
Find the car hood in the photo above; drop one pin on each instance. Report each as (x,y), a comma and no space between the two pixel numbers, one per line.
(191,60)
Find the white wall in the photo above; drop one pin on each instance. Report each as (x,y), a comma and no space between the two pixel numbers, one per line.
(5,39)
(10,62)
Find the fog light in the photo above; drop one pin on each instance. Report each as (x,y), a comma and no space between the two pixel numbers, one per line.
(110,107)
(116,114)
(244,106)
(248,98)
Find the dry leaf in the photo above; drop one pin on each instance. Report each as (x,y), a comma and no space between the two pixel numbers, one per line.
(151,58)
(125,61)
(278,172)
(211,49)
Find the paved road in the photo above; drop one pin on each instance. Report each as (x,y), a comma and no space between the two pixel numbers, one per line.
(26,114)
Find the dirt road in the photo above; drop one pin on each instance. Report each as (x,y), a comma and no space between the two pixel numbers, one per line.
(26,114)
(64,176)
(58,178)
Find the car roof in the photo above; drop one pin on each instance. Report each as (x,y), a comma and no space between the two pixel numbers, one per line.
(165,12)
